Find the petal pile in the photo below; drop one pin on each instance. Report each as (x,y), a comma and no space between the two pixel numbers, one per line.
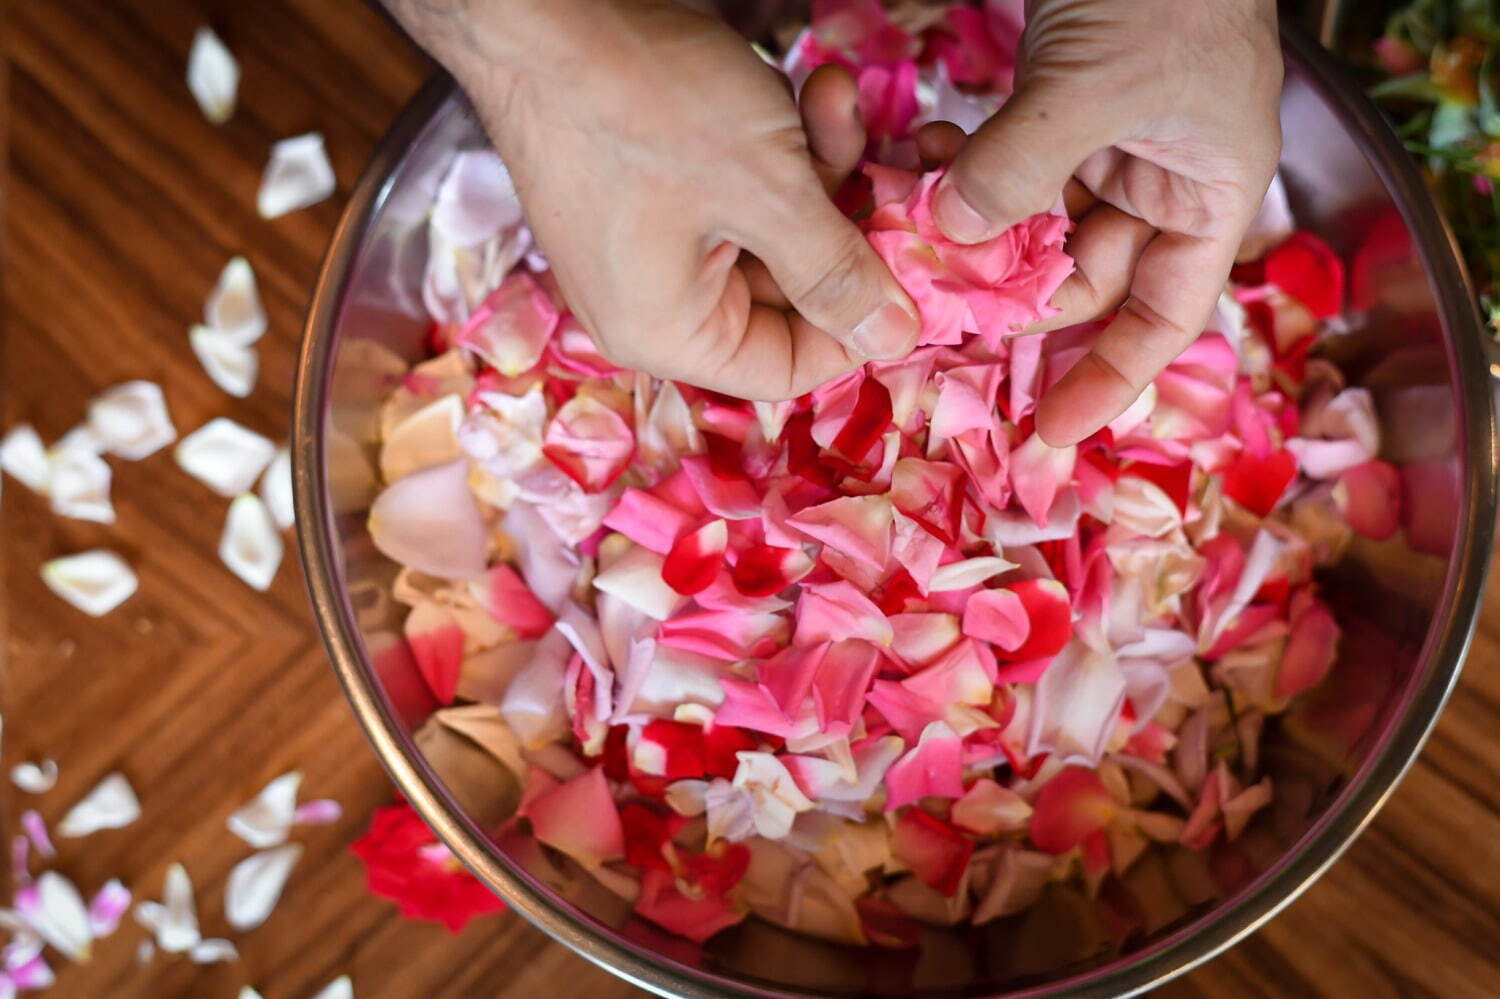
(879,656)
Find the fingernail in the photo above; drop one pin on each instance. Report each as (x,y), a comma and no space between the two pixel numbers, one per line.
(887,333)
(956,217)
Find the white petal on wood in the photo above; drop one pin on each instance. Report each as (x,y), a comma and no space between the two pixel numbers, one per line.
(177,929)
(234,308)
(23,456)
(112,804)
(131,420)
(34,778)
(297,176)
(80,438)
(225,456)
(233,366)
(255,885)
(96,582)
(246,992)
(341,987)
(213,76)
(79,486)
(264,820)
(145,951)
(276,489)
(251,546)
(213,951)
(58,914)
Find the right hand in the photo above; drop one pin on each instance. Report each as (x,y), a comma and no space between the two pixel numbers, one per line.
(666,173)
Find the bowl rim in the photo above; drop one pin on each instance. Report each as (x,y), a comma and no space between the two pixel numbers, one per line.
(1175,954)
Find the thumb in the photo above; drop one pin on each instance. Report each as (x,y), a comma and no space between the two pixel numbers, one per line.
(834,279)
(1016,164)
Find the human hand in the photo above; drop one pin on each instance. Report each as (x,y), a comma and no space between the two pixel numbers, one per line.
(666,172)
(1166,114)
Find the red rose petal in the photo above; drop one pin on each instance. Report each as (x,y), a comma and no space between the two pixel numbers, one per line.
(1307,269)
(936,852)
(1257,484)
(696,558)
(1068,809)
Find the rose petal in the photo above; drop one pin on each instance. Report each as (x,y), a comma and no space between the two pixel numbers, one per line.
(1070,807)
(225,456)
(476,200)
(1368,497)
(426,438)
(987,809)
(55,910)
(231,365)
(213,951)
(233,308)
(276,489)
(696,559)
(579,818)
(340,988)
(131,420)
(297,176)
(107,907)
(78,482)
(250,545)
(23,456)
(1310,652)
(590,442)
(255,885)
(112,804)
(936,852)
(430,522)
(264,820)
(511,328)
(932,768)
(34,778)
(213,76)
(96,582)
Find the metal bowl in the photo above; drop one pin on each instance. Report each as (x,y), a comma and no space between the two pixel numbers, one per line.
(1408,606)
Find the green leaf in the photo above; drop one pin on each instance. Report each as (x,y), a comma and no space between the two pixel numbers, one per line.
(1412,87)
(1452,125)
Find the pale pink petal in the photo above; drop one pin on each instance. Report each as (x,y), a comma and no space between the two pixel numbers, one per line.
(732,499)
(997,616)
(579,818)
(967,573)
(835,611)
(987,809)
(648,520)
(1037,473)
(430,521)
(1310,652)
(1368,497)
(932,768)
(318,812)
(590,442)
(107,907)
(918,639)
(1078,700)
(35,828)
(775,800)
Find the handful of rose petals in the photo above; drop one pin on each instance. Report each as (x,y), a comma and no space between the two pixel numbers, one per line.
(879,656)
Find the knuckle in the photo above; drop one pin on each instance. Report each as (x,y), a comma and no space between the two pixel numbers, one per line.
(835,283)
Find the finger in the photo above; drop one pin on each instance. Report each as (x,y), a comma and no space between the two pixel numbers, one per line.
(763,290)
(938,143)
(1177,281)
(1105,247)
(755,351)
(829,272)
(1018,161)
(830,116)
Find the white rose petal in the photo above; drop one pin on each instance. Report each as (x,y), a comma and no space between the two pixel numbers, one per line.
(232,365)
(234,308)
(225,456)
(23,456)
(35,778)
(340,988)
(276,489)
(58,915)
(255,885)
(297,176)
(96,582)
(213,76)
(251,545)
(264,820)
(131,420)
(79,485)
(112,804)
(213,951)
(177,928)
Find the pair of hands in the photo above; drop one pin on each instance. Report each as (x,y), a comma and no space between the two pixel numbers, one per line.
(683,197)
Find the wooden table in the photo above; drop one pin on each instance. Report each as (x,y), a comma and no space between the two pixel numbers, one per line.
(123,205)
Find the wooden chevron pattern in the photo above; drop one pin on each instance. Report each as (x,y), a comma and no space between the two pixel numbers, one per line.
(122,205)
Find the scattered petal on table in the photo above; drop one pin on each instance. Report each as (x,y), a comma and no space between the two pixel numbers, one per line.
(232,365)
(264,820)
(234,308)
(297,176)
(35,778)
(177,927)
(213,76)
(112,804)
(96,582)
(341,987)
(106,908)
(225,456)
(255,885)
(276,489)
(56,911)
(131,420)
(35,828)
(213,951)
(79,485)
(251,545)
(23,456)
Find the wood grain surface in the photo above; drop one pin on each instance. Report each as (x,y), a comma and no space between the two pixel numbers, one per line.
(122,204)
